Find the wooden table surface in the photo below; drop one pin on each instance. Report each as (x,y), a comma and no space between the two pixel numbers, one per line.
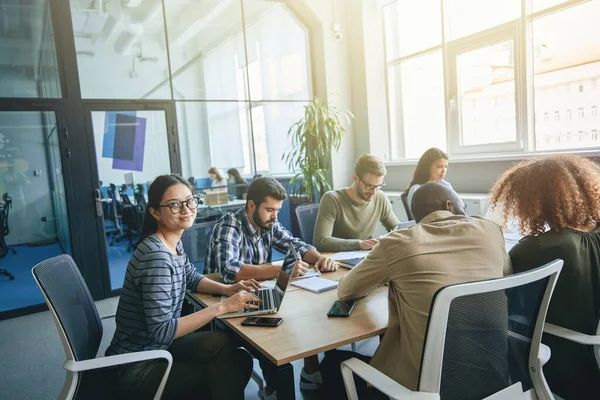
(306,329)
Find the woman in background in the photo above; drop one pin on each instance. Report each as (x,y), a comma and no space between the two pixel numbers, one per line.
(556,200)
(205,364)
(432,167)
(217,179)
(236,177)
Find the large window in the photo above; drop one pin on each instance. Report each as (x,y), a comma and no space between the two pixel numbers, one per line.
(502,77)
(237,72)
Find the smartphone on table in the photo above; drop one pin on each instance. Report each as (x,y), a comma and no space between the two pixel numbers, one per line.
(270,322)
(341,308)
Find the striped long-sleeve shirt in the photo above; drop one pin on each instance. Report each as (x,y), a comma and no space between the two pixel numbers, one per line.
(151,298)
(235,242)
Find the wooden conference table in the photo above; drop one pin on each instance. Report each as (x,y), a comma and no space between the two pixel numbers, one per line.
(306,330)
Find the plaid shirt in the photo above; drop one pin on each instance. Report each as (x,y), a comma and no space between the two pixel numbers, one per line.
(234,242)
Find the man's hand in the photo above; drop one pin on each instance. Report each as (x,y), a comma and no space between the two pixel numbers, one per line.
(240,300)
(368,244)
(247,286)
(326,264)
(300,269)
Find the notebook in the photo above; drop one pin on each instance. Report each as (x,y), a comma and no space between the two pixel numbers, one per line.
(311,273)
(351,263)
(316,284)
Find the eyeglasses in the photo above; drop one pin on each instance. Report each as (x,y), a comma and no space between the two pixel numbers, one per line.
(371,187)
(177,207)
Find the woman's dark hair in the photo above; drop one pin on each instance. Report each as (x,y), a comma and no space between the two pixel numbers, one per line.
(236,175)
(155,193)
(215,171)
(423,170)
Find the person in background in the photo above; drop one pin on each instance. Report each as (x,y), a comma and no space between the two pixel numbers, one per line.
(348,217)
(432,167)
(444,248)
(556,200)
(217,180)
(149,311)
(234,175)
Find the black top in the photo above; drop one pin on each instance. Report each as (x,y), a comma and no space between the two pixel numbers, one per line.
(572,371)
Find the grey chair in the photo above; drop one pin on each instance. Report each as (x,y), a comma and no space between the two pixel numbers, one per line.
(404,198)
(80,330)
(482,341)
(307,216)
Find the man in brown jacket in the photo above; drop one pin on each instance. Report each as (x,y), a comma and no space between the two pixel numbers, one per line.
(444,248)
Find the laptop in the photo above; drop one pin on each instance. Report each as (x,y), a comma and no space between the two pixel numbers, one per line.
(271,297)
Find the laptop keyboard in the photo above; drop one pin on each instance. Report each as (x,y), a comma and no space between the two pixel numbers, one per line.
(266,304)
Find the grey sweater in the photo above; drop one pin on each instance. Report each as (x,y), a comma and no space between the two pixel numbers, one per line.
(151,298)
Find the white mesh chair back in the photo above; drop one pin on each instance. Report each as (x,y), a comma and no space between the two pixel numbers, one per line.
(307,216)
(484,336)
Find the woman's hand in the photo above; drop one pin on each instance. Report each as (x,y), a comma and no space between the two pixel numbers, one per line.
(239,301)
(249,285)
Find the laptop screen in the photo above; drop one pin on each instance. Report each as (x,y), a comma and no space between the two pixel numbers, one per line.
(287,269)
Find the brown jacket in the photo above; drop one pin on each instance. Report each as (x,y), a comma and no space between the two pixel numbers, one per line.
(443,249)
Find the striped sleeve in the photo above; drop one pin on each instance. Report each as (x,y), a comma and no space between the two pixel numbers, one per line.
(156,280)
(192,276)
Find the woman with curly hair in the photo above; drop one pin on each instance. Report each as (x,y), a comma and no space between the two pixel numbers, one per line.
(556,200)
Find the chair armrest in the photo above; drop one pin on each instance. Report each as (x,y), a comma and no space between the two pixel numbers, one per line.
(379,381)
(571,335)
(119,359)
(544,354)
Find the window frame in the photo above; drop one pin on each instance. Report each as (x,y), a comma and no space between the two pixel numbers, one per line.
(519,30)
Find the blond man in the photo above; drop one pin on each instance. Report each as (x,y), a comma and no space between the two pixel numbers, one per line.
(348,217)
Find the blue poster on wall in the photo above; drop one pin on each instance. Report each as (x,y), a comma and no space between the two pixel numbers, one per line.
(124,140)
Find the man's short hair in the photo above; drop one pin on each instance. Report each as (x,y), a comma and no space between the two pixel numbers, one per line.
(433,196)
(369,164)
(263,187)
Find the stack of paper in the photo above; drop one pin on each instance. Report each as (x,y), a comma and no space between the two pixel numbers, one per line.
(311,273)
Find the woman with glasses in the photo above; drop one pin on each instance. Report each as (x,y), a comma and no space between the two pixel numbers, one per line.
(432,167)
(149,311)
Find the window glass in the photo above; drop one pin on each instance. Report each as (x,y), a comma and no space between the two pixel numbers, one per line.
(465,17)
(566,66)
(422,97)
(486,85)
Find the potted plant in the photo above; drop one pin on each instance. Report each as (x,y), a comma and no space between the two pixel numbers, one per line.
(313,138)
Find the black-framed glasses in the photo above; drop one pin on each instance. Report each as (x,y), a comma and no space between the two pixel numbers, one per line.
(371,187)
(176,207)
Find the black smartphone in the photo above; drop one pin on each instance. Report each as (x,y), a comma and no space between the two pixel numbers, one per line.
(341,308)
(262,321)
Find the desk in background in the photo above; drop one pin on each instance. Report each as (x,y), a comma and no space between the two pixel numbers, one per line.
(306,329)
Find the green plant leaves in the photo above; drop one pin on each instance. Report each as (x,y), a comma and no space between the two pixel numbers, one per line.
(313,138)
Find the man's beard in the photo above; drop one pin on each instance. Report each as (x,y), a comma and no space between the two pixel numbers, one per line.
(362,195)
(262,224)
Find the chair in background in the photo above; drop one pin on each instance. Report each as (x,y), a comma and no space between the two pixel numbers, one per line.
(80,330)
(404,198)
(307,216)
(138,196)
(482,340)
(4,230)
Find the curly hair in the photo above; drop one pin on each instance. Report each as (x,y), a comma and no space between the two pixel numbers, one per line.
(554,191)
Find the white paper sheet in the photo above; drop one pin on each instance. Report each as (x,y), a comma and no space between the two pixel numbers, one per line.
(347,255)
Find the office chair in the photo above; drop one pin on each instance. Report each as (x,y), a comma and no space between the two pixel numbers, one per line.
(404,198)
(4,208)
(307,216)
(138,196)
(482,340)
(80,329)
